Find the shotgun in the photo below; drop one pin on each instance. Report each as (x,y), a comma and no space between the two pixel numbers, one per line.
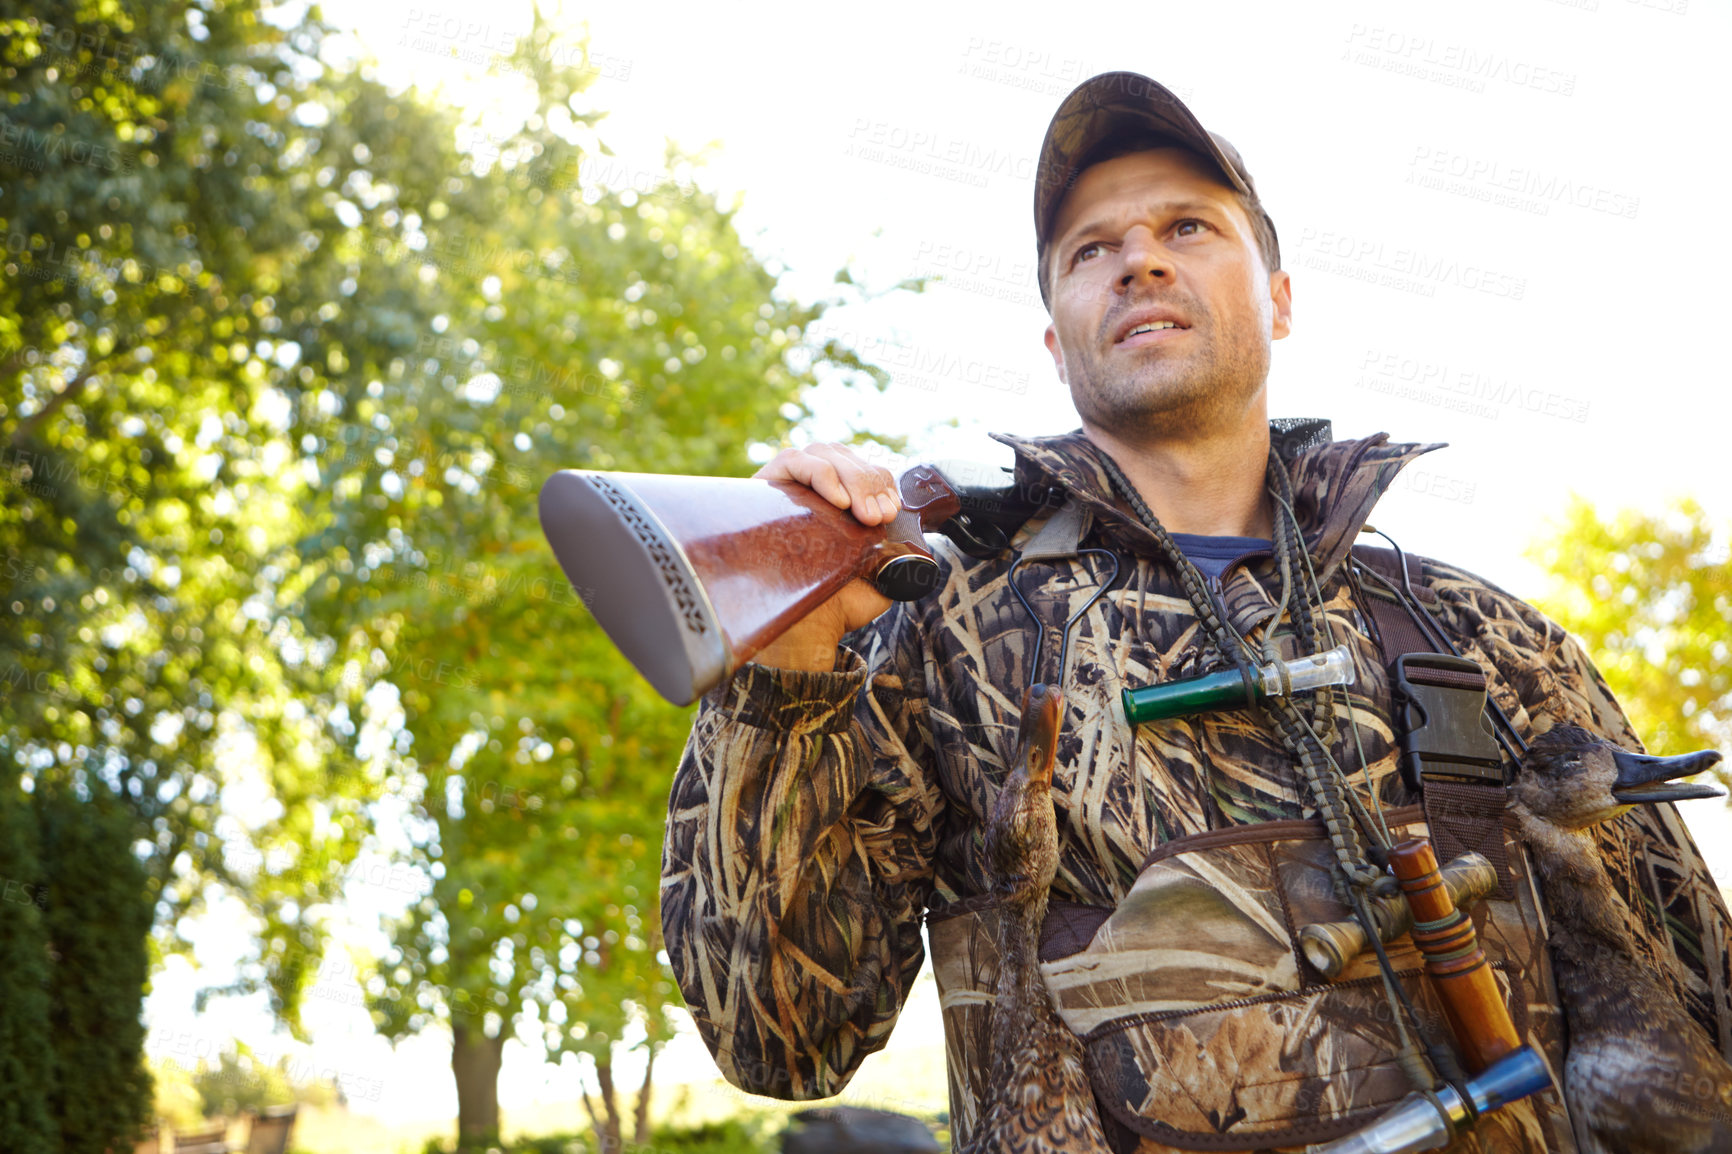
(692,576)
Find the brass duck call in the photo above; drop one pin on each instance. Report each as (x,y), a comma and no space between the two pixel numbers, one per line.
(1330,946)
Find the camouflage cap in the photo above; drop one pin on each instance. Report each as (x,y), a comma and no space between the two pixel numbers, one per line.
(1108,107)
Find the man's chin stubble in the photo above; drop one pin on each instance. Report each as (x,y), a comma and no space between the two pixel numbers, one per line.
(1154,409)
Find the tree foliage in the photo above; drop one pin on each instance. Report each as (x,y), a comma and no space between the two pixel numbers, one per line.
(96,926)
(585,328)
(172,181)
(282,367)
(26,1052)
(174,258)
(1651,596)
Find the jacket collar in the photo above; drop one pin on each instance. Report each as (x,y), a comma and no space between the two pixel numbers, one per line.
(1335,483)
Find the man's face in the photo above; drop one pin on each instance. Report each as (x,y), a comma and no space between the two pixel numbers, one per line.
(1155,238)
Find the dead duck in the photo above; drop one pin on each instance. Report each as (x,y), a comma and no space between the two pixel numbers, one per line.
(1640,1077)
(1039,1097)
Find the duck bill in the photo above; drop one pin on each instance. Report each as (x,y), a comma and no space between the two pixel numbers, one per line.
(1643,778)
(1042,714)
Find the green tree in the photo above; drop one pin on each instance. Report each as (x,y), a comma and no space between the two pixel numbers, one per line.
(280,371)
(185,193)
(240,1083)
(26,1057)
(1651,596)
(586,329)
(97,927)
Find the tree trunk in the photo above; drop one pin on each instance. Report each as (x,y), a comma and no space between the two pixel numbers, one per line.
(475,1061)
(613,1136)
(640,1127)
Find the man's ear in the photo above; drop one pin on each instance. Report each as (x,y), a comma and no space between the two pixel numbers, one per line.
(1281,293)
(1057,354)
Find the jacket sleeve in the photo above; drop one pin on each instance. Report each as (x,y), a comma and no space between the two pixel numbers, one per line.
(798,861)
(1544,678)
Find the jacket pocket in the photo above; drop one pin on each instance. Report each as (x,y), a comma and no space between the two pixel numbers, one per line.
(1280,1070)
(1203,1027)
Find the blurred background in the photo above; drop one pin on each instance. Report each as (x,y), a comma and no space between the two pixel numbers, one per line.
(320,787)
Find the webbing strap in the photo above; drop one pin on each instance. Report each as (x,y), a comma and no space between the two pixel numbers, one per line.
(1464,818)
(1461,815)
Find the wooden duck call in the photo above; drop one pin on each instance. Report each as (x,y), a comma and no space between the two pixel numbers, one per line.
(1458,967)
(692,576)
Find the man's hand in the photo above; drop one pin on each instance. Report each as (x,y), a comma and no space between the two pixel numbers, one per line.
(838,475)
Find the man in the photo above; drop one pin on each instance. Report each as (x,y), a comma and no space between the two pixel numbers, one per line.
(834,792)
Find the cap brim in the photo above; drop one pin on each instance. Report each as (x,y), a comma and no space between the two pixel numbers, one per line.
(1110,105)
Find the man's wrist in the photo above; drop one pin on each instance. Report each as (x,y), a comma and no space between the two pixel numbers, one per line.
(803,658)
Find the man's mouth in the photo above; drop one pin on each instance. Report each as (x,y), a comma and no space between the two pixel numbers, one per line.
(1149,328)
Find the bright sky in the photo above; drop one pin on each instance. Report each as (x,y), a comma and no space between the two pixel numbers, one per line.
(1504,219)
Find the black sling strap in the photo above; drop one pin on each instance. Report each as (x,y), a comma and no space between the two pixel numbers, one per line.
(1449,751)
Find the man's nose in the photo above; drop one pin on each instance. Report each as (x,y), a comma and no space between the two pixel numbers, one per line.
(1144,259)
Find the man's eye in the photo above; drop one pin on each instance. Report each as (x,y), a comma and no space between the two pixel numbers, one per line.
(1092,248)
(1187,227)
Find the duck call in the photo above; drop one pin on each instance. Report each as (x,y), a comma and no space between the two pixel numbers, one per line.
(693,576)
(1233,690)
(1414,1124)
(1330,946)
(1458,967)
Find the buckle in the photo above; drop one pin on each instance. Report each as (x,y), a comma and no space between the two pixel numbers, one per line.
(1447,734)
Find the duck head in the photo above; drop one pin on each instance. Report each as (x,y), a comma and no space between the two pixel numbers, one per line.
(1022,834)
(1574,780)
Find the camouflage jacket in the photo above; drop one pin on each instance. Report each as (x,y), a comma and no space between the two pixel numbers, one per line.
(816,818)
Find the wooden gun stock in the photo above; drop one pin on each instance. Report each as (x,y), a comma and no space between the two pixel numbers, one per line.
(692,576)
(1453,957)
